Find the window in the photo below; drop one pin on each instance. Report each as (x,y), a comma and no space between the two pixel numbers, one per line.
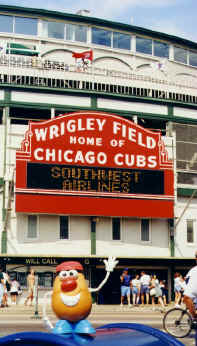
(190,231)
(145,230)
(56,30)
(121,41)
(116,234)
(180,55)
(32,227)
(6,23)
(102,37)
(25,26)
(161,49)
(45,279)
(21,277)
(193,59)
(143,45)
(76,33)
(64,227)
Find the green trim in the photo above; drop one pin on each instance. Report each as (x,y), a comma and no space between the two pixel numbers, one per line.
(4,242)
(185,192)
(7,96)
(34,12)
(1,181)
(128,114)
(170,111)
(141,99)
(78,108)
(94,102)
(93,106)
(114,58)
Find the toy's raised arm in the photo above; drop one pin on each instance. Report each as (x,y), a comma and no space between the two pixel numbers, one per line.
(109,267)
(47,322)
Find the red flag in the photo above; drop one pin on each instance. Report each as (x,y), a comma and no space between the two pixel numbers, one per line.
(84,55)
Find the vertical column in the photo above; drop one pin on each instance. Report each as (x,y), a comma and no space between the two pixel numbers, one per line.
(171,233)
(52,113)
(93,235)
(93,102)
(169,284)
(4,231)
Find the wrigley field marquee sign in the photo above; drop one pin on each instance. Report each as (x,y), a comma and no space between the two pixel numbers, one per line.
(92,163)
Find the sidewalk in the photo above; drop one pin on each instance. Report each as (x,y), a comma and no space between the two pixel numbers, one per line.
(21,309)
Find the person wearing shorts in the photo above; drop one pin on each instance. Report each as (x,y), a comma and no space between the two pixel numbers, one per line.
(177,289)
(190,293)
(2,286)
(14,288)
(125,280)
(145,282)
(135,284)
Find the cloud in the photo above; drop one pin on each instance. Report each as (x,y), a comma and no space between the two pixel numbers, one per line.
(109,9)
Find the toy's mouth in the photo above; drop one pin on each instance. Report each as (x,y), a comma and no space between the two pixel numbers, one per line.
(70,300)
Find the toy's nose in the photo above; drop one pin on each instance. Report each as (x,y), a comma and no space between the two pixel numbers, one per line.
(69,284)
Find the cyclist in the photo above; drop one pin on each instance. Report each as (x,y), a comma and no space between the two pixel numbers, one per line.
(190,293)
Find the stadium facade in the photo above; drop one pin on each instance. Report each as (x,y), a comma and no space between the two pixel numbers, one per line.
(98,124)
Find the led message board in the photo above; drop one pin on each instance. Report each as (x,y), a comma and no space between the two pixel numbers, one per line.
(92,163)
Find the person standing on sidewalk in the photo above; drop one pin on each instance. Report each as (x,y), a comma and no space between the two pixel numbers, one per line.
(177,289)
(136,290)
(7,288)
(2,287)
(156,292)
(30,285)
(145,282)
(125,280)
(14,289)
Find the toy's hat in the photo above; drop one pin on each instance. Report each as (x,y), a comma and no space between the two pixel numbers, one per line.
(69,266)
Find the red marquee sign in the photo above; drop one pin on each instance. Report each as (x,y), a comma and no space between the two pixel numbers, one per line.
(92,163)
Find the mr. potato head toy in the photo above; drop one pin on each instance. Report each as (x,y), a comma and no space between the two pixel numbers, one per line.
(71,298)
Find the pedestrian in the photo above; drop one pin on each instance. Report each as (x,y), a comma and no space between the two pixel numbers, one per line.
(30,286)
(6,289)
(135,285)
(164,290)
(2,287)
(156,292)
(125,280)
(190,294)
(183,287)
(177,289)
(144,290)
(14,290)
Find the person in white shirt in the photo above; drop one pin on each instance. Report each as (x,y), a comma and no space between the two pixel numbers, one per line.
(7,284)
(190,293)
(145,283)
(177,289)
(135,286)
(14,289)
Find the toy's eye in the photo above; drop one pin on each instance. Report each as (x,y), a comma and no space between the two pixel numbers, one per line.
(73,273)
(63,274)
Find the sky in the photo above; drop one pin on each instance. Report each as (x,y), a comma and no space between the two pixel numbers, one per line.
(175,17)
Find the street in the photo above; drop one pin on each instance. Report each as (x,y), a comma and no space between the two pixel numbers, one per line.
(21,318)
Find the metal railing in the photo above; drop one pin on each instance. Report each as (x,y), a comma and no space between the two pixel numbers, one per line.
(35,71)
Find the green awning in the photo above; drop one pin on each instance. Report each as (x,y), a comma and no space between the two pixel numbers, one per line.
(21,49)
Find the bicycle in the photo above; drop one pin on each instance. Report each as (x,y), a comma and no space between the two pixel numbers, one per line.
(178,322)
